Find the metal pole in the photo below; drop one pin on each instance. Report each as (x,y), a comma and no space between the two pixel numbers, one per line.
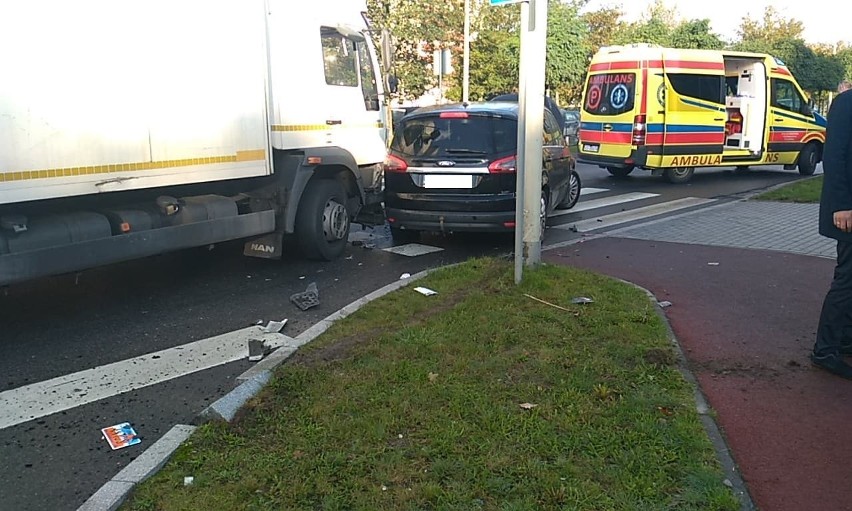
(519,161)
(535,51)
(466,57)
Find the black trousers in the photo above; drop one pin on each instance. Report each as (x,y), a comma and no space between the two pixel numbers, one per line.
(835,320)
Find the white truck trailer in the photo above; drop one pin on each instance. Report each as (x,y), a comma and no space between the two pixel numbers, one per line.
(129,129)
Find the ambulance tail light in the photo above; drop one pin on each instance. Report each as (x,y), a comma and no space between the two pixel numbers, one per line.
(640,130)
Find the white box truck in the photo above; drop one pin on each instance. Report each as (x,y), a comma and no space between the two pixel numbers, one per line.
(128,129)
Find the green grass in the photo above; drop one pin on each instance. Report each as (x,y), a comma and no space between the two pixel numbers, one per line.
(806,190)
(414,403)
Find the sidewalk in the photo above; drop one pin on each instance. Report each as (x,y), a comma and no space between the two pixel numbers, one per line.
(746,281)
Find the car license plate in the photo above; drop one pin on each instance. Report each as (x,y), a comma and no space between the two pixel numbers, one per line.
(591,148)
(447,181)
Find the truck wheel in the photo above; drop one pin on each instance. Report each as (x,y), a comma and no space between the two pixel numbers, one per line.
(620,171)
(572,195)
(322,221)
(679,175)
(807,161)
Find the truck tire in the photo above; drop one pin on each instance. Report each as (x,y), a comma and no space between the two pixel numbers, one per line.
(322,220)
(679,175)
(572,195)
(620,171)
(807,161)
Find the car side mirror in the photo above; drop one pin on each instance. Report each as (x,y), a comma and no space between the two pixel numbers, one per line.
(806,109)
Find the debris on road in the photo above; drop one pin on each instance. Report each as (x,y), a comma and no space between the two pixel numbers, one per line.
(120,436)
(713,264)
(257,349)
(307,299)
(273,327)
(664,304)
(580,300)
(527,406)
(404,276)
(425,291)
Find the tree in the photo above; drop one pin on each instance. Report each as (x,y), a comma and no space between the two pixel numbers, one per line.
(695,34)
(567,51)
(603,26)
(771,29)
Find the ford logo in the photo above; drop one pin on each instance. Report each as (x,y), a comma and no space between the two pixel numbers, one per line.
(446,163)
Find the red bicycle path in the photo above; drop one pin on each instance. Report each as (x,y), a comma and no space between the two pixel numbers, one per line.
(745,320)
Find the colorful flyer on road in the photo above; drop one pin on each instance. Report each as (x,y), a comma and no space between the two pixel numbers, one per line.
(120,435)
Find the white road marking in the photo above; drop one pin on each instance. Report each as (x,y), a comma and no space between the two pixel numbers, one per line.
(604,202)
(605,221)
(413,249)
(65,392)
(590,191)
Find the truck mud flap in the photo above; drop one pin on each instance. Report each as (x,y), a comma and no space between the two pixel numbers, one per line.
(21,266)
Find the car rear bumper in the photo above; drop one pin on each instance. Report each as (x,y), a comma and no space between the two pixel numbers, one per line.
(450,221)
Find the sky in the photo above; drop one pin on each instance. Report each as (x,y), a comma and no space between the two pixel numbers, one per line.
(820,18)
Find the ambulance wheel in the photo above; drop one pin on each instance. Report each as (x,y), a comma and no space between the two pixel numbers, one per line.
(807,162)
(620,171)
(742,168)
(322,220)
(572,195)
(679,175)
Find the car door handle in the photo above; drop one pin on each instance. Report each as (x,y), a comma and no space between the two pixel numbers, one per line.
(607,127)
(779,120)
(719,119)
(333,122)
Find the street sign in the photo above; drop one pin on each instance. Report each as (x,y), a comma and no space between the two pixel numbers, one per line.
(506,2)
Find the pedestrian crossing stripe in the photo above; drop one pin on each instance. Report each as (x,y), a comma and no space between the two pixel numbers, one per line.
(604,202)
(606,221)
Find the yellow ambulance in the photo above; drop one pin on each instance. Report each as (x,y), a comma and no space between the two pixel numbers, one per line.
(671,110)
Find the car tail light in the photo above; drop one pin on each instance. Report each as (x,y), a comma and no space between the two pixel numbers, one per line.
(640,130)
(453,115)
(507,165)
(395,165)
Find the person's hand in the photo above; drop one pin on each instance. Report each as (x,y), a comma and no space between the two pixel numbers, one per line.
(843,220)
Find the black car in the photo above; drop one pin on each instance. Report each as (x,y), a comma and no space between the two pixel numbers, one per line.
(452,168)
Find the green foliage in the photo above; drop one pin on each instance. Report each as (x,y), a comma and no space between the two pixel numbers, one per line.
(567,51)
(695,34)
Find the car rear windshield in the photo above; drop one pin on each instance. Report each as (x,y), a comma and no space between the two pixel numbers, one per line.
(610,93)
(474,135)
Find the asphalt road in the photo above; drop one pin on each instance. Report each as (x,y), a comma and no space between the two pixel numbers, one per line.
(59,326)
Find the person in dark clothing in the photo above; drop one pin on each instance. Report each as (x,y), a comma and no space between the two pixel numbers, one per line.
(834,332)
(549,103)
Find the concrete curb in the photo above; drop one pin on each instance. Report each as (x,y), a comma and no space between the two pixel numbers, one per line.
(111,495)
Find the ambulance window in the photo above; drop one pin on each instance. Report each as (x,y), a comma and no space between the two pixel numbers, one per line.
(610,93)
(340,59)
(785,95)
(707,87)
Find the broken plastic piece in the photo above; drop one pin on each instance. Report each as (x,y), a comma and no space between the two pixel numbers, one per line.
(307,299)
(120,436)
(273,327)
(664,304)
(712,264)
(581,300)
(404,276)
(527,406)
(257,350)
(425,291)
(188,480)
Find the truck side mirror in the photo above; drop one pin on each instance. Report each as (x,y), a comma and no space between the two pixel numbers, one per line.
(806,109)
(393,84)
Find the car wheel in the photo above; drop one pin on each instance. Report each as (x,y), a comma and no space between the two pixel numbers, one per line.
(620,171)
(322,220)
(679,175)
(573,193)
(807,161)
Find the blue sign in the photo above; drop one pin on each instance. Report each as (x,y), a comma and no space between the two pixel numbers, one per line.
(506,2)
